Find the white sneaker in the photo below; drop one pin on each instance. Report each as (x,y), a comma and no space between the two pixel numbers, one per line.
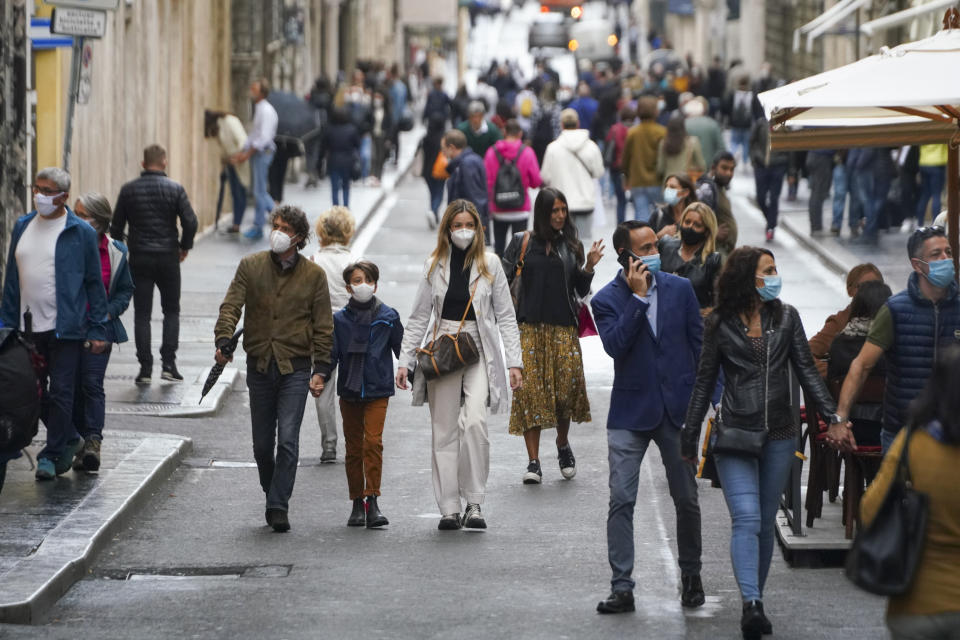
(431,220)
(908,225)
(533,474)
(568,464)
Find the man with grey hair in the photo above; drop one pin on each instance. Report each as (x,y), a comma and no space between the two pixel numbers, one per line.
(152,204)
(481,133)
(53,276)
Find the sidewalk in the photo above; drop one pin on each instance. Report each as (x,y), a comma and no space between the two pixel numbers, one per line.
(51,532)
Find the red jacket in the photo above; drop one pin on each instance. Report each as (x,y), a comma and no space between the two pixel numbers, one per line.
(618,135)
(529,169)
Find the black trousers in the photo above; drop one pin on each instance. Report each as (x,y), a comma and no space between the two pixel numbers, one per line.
(163,271)
(278,170)
(820,175)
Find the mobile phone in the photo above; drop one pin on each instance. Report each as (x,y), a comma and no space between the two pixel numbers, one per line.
(624,258)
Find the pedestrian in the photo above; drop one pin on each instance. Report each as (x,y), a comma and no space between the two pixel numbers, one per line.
(509,164)
(769,169)
(704,128)
(555,274)
(479,131)
(151,206)
(866,415)
(229,132)
(399,97)
(334,228)
(436,116)
(909,331)
(712,191)
(288,338)
(678,194)
(640,158)
(259,150)
(755,339)
(819,173)
(841,188)
(930,608)
(321,99)
(54,272)
(366,336)
(89,406)
(585,105)
(545,121)
(381,134)
(342,142)
(678,152)
(468,176)
(933,175)
(465,289)
(739,114)
(861,163)
(691,252)
(617,137)
(908,179)
(358,101)
(655,361)
(820,343)
(573,163)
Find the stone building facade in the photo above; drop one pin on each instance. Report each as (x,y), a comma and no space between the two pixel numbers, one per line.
(14,78)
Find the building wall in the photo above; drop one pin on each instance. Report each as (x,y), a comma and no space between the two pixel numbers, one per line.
(14,158)
(160,64)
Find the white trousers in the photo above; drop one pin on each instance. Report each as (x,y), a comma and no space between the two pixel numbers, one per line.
(327,413)
(461,449)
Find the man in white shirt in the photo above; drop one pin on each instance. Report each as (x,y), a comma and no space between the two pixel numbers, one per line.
(54,272)
(259,150)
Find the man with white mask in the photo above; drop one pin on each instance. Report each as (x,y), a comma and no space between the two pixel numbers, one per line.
(288,337)
(53,272)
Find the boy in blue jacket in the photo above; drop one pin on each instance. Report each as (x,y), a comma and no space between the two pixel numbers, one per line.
(365,331)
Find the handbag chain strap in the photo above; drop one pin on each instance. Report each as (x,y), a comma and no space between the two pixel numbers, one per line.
(436,326)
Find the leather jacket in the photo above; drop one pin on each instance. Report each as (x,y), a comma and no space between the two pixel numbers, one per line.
(151,205)
(753,397)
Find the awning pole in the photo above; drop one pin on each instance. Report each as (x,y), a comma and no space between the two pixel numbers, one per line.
(953,201)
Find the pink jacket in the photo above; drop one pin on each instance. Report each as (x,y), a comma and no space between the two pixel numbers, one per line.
(529,169)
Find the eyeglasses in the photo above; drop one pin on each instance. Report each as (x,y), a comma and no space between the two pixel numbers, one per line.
(45,191)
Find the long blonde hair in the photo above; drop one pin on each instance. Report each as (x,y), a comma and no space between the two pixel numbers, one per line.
(709,222)
(476,254)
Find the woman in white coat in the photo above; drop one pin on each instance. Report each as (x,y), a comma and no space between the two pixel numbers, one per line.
(459,268)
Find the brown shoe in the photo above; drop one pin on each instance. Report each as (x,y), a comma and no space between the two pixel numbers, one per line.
(89,455)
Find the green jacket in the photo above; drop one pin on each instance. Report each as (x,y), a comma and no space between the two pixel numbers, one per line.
(288,316)
(480,142)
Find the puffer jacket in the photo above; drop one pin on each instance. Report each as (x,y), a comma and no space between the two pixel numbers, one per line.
(753,397)
(151,205)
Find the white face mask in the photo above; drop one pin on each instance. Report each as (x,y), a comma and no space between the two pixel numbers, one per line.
(279,241)
(362,292)
(45,205)
(462,238)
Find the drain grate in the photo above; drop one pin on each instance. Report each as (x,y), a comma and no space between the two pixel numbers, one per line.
(232,572)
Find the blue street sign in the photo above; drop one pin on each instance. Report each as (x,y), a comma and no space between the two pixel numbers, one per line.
(41,39)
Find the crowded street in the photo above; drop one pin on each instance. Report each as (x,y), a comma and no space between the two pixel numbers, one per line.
(400,374)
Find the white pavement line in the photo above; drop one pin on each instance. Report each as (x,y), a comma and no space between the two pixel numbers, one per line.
(670,573)
(370,229)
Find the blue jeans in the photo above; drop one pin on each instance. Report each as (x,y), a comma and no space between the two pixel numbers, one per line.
(277,402)
(340,183)
(769,182)
(436,193)
(839,195)
(238,193)
(862,201)
(644,198)
(89,402)
(626,451)
(63,361)
(263,203)
(366,155)
(886,440)
(739,138)
(616,178)
(752,488)
(931,188)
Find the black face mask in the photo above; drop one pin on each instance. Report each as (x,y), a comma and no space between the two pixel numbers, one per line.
(691,237)
(722,181)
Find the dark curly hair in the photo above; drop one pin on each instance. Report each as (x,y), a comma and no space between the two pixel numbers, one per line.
(296,218)
(543,209)
(736,286)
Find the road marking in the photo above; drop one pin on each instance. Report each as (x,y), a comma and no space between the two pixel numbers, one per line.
(369,231)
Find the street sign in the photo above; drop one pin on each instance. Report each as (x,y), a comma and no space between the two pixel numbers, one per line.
(78,22)
(105,5)
(41,39)
(85,88)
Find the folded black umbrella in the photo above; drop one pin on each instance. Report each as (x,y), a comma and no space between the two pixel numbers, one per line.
(217,368)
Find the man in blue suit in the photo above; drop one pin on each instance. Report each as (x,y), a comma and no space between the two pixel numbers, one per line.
(650,325)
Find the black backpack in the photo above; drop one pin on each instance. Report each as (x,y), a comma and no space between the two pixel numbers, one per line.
(19,392)
(508,191)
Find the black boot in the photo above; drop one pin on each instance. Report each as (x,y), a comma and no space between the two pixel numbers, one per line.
(751,623)
(358,517)
(374,517)
(692,595)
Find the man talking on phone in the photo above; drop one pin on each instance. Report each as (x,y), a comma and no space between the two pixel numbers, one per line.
(649,323)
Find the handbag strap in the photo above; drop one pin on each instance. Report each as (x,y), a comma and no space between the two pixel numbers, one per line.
(523,253)
(469,304)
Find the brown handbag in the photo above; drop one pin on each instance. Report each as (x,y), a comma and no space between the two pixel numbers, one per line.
(449,352)
(515,283)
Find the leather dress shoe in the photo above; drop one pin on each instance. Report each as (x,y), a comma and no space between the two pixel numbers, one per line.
(617,602)
(692,595)
(751,623)
(277,518)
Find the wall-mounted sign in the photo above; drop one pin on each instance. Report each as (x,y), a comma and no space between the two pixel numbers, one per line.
(103,5)
(78,22)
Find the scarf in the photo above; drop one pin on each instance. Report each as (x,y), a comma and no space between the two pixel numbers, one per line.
(363,314)
(857,327)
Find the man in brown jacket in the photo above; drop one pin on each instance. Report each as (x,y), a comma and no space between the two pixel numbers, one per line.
(288,337)
(639,162)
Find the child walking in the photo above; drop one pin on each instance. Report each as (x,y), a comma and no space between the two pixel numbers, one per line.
(364,334)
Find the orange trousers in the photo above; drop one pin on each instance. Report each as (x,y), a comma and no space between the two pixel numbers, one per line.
(363,435)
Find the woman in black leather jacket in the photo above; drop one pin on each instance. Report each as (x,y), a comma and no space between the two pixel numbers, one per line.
(692,253)
(755,338)
(554,272)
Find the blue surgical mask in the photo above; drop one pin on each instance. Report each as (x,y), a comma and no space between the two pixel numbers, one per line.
(671,195)
(770,289)
(941,272)
(652,262)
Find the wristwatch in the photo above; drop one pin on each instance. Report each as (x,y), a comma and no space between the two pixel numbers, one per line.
(837,419)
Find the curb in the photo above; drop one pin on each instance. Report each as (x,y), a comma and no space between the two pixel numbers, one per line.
(65,556)
(827,257)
